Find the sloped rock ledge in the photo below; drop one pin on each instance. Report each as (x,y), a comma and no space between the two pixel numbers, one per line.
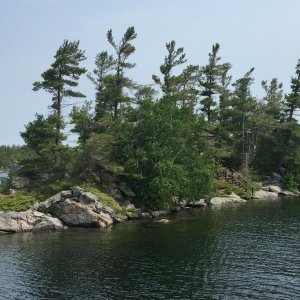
(68,208)
(29,220)
(78,208)
(273,192)
(232,198)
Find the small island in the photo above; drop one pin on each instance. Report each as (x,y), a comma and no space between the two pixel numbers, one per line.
(194,138)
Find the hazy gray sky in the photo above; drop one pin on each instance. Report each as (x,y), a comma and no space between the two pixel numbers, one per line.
(259,33)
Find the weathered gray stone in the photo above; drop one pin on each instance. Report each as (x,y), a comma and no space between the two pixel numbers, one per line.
(45,205)
(85,211)
(145,215)
(197,203)
(232,198)
(29,220)
(272,188)
(121,219)
(66,194)
(264,195)
(88,198)
(77,191)
(288,193)
(130,207)
(77,214)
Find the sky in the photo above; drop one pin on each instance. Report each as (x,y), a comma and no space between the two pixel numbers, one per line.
(252,33)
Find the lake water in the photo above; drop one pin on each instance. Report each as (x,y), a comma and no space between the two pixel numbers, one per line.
(250,251)
(3,174)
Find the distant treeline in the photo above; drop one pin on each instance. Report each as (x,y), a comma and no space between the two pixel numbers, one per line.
(11,154)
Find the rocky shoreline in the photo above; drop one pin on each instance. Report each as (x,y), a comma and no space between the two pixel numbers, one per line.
(78,208)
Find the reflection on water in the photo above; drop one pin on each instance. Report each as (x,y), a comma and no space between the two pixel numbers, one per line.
(238,252)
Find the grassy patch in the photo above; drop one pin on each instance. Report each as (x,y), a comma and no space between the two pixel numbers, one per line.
(223,187)
(16,202)
(104,198)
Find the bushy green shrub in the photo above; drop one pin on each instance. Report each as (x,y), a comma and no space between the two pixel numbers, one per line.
(16,202)
(103,198)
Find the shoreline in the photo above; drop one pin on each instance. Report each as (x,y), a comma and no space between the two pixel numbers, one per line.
(80,208)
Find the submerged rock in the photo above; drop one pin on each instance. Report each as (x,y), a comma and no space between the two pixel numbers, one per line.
(29,220)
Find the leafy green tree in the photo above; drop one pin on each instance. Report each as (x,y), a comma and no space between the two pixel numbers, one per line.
(166,153)
(61,79)
(165,150)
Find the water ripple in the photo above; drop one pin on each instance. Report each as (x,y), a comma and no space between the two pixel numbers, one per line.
(246,252)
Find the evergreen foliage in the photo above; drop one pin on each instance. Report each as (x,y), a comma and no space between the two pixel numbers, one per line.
(133,144)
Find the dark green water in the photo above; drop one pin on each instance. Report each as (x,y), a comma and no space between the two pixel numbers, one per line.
(251,251)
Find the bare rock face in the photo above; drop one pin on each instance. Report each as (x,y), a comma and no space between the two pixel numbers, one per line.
(232,198)
(272,188)
(197,203)
(265,195)
(74,213)
(29,220)
(76,207)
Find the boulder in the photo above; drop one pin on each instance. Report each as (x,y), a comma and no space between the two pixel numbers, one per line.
(288,193)
(197,203)
(272,188)
(232,198)
(145,215)
(66,194)
(88,198)
(130,207)
(265,195)
(77,191)
(121,219)
(29,220)
(45,205)
(74,213)
(76,207)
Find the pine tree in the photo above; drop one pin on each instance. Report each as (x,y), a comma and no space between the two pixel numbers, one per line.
(61,78)
(209,81)
(109,75)
(180,87)
(293,99)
